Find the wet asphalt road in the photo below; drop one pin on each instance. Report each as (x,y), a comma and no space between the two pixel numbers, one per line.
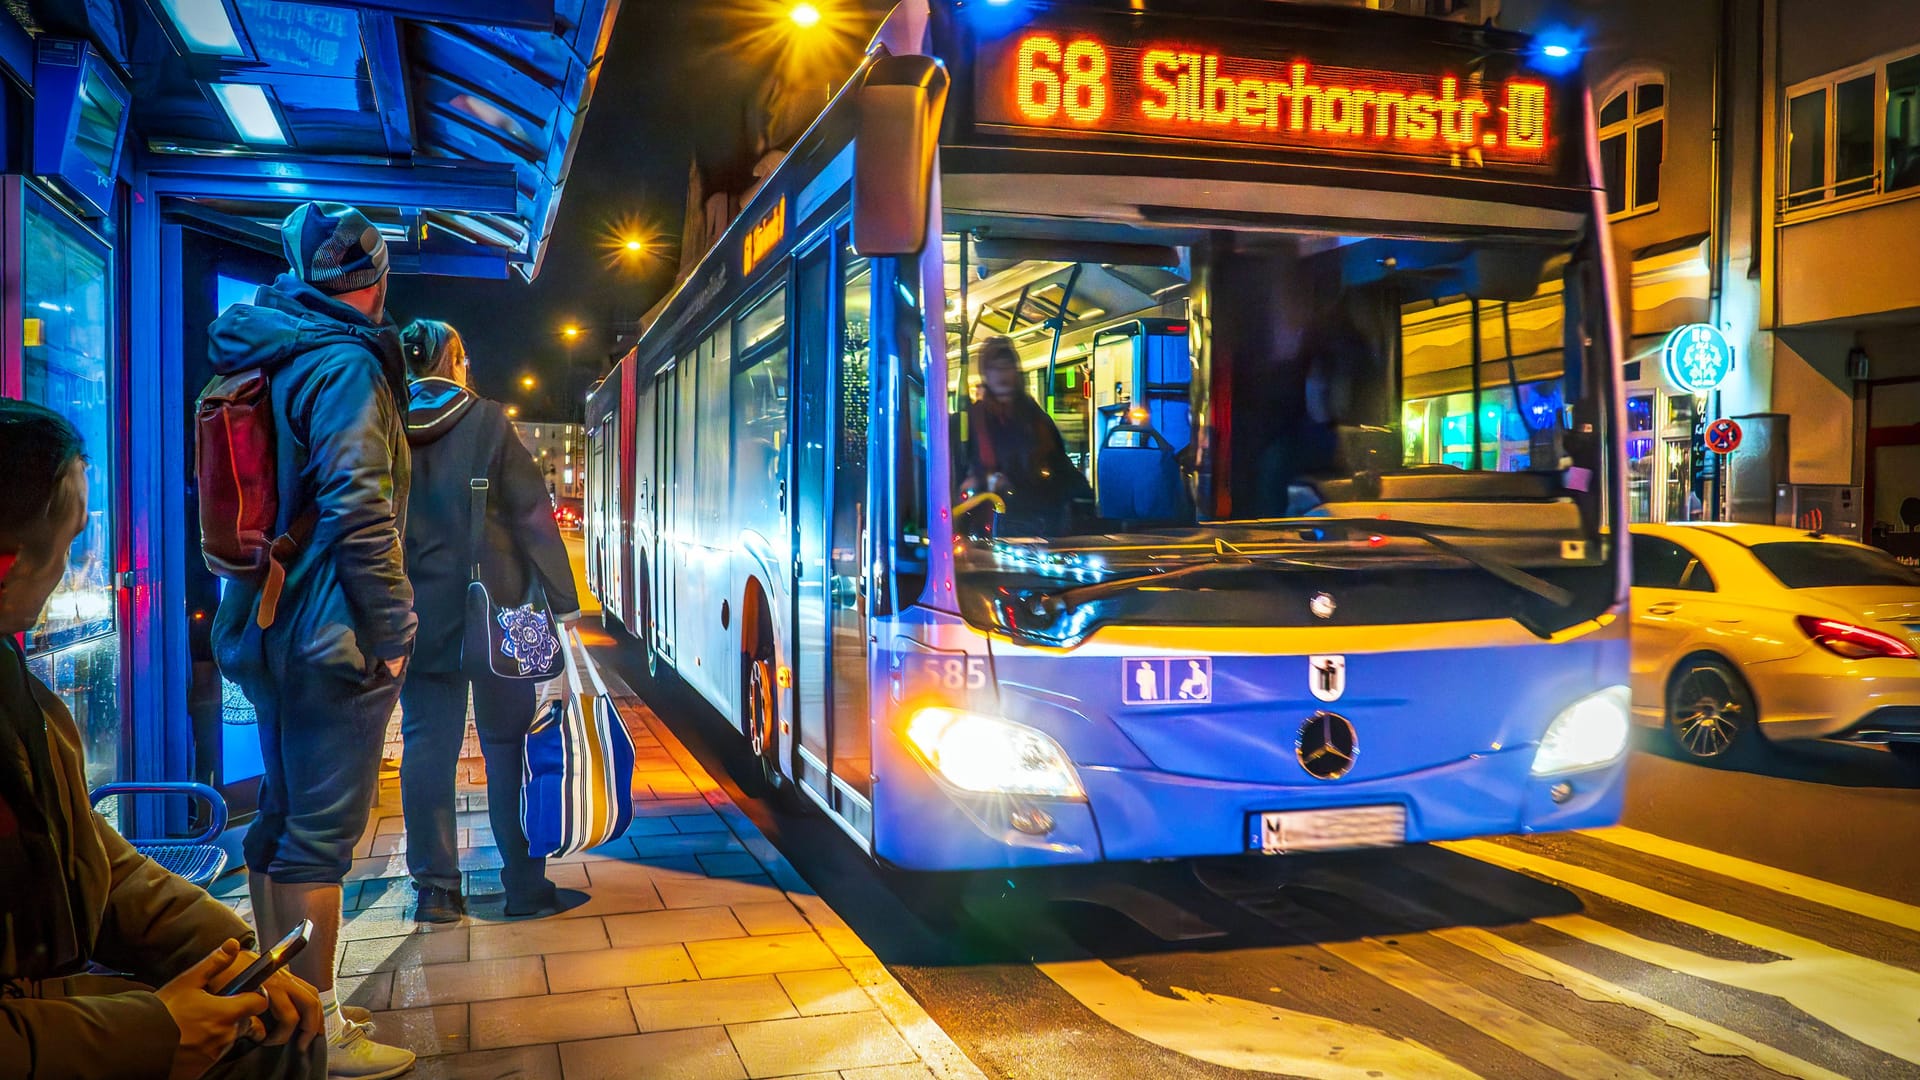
(1741,924)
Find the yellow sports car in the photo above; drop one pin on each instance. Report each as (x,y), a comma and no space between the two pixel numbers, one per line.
(1749,634)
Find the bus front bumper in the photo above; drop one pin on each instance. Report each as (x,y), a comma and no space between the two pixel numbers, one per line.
(1131,814)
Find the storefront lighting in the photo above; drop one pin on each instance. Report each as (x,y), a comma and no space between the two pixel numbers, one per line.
(251,112)
(204,26)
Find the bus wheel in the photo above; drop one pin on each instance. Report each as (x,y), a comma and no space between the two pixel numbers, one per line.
(762,734)
(759,696)
(1710,712)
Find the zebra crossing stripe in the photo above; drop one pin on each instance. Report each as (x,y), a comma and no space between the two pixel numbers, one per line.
(1838,897)
(1483,1012)
(1235,1033)
(1863,999)
(1709,1037)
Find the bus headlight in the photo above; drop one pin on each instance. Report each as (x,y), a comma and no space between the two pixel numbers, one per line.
(1589,732)
(992,754)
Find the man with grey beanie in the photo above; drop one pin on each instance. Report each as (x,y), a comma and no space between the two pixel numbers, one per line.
(325,673)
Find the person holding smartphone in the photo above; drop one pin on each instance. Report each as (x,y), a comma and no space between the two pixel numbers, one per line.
(77,895)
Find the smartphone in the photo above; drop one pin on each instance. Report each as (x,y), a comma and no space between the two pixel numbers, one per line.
(270,961)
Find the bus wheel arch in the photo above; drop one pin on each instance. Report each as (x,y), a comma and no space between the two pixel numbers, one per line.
(643,628)
(760,697)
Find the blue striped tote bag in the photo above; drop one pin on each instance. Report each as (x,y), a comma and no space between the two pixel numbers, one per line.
(578,790)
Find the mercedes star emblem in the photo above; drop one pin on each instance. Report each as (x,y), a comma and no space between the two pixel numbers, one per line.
(1327,745)
(1322,605)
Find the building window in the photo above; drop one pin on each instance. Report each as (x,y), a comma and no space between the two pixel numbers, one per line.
(1903,124)
(1633,140)
(1840,141)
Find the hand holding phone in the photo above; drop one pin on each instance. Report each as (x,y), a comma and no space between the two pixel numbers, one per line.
(272,960)
(208,1023)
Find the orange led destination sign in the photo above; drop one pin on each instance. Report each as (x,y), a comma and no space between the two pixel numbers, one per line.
(765,237)
(1071,80)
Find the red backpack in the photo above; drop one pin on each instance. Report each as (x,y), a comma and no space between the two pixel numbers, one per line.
(234,457)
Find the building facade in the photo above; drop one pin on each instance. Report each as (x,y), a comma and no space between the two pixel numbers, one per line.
(559,451)
(1762,163)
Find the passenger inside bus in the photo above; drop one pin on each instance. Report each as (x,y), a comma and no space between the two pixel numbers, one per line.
(1014,450)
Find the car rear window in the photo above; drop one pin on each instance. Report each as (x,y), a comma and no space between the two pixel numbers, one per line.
(1815,565)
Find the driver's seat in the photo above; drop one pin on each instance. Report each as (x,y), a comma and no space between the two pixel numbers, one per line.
(1139,476)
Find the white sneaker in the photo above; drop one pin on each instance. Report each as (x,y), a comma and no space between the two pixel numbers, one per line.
(355,1056)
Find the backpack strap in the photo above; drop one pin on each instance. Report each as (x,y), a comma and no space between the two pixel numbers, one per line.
(284,548)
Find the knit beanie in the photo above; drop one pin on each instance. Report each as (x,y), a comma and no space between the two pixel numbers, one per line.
(333,247)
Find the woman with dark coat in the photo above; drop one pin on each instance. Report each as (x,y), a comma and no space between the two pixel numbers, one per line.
(1014,449)
(458,436)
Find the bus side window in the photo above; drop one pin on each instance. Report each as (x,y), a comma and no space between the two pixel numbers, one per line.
(910,443)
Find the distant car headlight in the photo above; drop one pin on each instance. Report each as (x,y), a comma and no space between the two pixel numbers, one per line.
(1589,732)
(992,754)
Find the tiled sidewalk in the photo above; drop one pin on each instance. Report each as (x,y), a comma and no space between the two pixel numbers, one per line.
(700,955)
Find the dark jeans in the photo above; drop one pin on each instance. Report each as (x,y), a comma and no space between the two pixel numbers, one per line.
(320,741)
(434,723)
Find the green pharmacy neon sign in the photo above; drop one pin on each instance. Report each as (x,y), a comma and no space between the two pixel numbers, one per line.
(1697,357)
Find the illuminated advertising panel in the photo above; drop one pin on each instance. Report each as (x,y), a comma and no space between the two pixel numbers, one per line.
(1138,85)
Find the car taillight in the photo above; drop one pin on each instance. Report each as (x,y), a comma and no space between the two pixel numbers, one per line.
(1854,642)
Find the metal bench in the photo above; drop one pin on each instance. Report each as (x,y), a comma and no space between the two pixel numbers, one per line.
(198,859)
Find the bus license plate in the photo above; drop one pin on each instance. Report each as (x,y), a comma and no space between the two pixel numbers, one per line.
(1285,831)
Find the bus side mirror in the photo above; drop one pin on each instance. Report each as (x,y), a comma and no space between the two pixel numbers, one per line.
(897,134)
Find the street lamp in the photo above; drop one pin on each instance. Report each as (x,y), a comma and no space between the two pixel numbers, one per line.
(805,16)
(634,246)
(513,411)
(526,382)
(571,332)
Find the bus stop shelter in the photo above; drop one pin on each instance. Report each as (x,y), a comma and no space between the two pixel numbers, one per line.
(151,148)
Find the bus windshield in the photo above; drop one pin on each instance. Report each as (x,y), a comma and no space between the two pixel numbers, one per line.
(1142,416)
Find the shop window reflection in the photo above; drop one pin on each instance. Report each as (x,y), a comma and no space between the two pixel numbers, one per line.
(1640,458)
(1439,430)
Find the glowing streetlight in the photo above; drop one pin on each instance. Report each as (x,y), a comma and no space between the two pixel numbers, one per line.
(526,382)
(513,411)
(634,246)
(805,16)
(570,331)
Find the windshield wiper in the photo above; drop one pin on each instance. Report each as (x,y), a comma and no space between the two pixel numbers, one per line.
(1500,569)
(1054,604)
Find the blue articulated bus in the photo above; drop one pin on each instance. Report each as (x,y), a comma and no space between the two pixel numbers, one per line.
(1148,430)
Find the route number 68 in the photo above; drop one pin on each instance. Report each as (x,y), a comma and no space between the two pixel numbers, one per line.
(956,673)
(1052,79)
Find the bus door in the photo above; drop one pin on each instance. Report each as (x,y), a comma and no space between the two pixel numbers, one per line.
(832,584)
(595,503)
(665,502)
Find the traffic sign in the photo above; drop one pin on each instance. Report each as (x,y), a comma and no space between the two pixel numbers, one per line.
(1723,436)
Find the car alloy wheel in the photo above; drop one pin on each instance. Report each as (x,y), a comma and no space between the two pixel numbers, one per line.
(1709,711)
